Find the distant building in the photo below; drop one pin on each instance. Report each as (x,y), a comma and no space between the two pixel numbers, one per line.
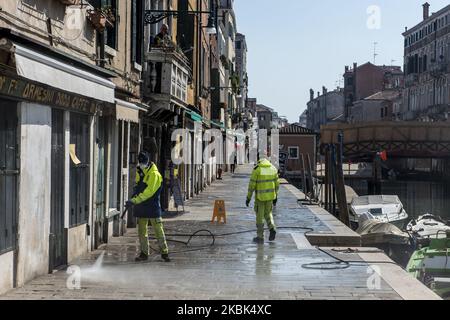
(251,105)
(300,144)
(303,120)
(326,108)
(427,55)
(366,80)
(279,122)
(265,116)
(382,106)
(241,70)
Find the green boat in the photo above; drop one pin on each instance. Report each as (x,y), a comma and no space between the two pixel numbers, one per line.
(431,265)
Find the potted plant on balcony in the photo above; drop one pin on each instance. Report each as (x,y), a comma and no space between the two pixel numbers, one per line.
(110,15)
(235,83)
(102,18)
(70,2)
(224,61)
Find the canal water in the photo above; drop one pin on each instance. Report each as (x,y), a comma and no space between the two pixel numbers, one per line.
(418,197)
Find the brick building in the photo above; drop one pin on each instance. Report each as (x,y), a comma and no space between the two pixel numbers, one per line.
(366,80)
(298,142)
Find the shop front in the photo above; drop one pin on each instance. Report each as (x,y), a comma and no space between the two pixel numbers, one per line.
(47,112)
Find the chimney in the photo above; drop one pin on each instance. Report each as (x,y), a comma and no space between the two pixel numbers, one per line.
(318,94)
(346,68)
(311,94)
(355,65)
(426,11)
(324,90)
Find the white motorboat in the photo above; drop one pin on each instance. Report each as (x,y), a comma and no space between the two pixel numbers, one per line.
(429,226)
(383,208)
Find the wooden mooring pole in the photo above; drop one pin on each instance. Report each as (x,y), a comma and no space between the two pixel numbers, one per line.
(326,179)
(304,177)
(340,188)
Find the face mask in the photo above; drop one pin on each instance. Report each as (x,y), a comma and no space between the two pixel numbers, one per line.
(143,165)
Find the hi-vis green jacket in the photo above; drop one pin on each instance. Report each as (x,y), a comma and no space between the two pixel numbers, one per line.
(147,193)
(264,182)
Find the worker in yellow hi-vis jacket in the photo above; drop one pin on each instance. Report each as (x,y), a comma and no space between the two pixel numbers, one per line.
(147,207)
(265,184)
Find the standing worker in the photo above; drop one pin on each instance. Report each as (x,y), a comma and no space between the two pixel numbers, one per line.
(264,183)
(147,206)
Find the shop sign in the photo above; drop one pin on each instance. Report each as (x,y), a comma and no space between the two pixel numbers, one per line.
(19,88)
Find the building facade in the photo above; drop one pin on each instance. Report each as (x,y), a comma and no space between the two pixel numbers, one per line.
(299,144)
(178,78)
(69,104)
(326,108)
(426,96)
(382,106)
(265,117)
(241,70)
(303,119)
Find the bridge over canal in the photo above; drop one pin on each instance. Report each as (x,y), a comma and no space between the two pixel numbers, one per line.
(399,139)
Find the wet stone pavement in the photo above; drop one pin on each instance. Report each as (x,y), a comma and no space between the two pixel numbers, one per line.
(234,268)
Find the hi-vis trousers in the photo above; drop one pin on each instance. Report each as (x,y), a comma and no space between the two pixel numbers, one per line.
(159,235)
(263,211)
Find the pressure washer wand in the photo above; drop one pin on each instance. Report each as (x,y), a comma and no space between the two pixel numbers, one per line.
(124,213)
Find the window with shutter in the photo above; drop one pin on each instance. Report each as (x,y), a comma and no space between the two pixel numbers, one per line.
(111,33)
(8,175)
(137,31)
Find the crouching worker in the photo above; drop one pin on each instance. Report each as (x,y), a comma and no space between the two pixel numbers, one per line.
(264,183)
(147,207)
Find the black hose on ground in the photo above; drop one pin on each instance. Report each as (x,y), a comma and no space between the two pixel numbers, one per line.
(341,264)
(210,234)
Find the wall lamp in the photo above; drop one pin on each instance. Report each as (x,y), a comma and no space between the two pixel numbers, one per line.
(156,16)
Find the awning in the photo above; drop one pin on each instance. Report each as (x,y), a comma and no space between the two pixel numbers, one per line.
(194,115)
(35,66)
(127,111)
(219,125)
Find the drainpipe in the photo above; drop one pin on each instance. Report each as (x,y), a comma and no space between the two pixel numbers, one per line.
(199,51)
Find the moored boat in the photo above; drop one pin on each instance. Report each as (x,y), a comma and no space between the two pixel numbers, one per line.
(383,208)
(428,226)
(431,265)
(397,244)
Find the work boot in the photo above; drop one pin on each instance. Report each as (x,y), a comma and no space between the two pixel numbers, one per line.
(258,240)
(142,257)
(165,257)
(273,235)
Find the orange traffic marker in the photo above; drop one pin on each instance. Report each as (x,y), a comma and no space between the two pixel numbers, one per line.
(219,212)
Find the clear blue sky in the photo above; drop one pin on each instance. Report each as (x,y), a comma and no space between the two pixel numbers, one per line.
(295,45)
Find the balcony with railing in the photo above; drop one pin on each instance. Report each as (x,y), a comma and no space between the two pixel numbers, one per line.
(411,79)
(167,75)
(439,68)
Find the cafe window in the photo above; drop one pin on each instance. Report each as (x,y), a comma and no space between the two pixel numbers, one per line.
(79,169)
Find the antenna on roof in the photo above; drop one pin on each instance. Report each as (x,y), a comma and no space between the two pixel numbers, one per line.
(375,54)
